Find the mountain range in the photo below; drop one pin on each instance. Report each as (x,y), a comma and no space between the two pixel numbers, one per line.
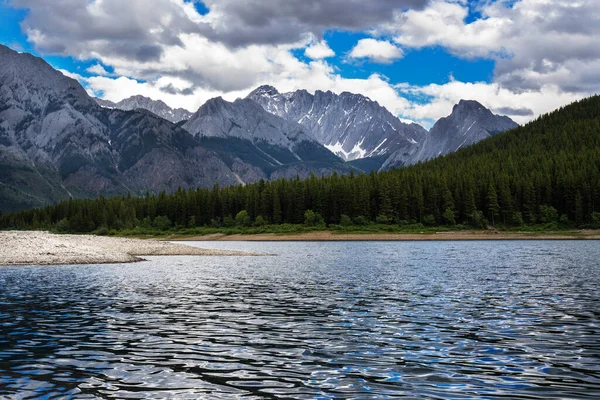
(58,142)
(157,107)
(350,125)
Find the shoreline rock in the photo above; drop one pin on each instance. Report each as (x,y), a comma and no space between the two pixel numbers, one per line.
(44,248)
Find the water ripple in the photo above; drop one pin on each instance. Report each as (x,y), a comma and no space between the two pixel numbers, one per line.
(321,320)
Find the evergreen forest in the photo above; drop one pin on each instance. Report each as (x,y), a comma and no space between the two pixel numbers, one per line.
(545,174)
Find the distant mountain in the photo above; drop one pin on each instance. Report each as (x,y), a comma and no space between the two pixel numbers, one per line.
(250,136)
(469,122)
(350,125)
(546,172)
(369,136)
(157,107)
(57,142)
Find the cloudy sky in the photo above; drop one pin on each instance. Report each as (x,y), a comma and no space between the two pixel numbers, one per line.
(416,57)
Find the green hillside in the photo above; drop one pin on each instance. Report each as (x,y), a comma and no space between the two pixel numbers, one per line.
(547,171)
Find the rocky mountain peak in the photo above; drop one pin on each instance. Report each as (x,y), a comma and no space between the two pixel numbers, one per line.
(349,124)
(245,124)
(157,107)
(466,108)
(469,122)
(264,90)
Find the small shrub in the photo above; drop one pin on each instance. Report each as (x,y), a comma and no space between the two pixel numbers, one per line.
(448,217)
(312,218)
(146,223)
(228,221)
(345,220)
(242,219)
(478,220)
(548,214)
(429,220)
(383,220)
(360,220)
(62,226)
(162,223)
(101,231)
(260,221)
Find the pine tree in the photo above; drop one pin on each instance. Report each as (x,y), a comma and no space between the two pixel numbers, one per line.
(492,202)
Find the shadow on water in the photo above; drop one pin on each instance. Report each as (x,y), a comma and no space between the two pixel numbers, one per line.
(334,320)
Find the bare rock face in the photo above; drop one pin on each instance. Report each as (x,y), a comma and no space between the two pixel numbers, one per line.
(469,123)
(260,145)
(245,119)
(350,125)
(156,107)
(365,133)
(57,142)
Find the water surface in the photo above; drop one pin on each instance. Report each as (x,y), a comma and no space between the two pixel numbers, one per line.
(320,320)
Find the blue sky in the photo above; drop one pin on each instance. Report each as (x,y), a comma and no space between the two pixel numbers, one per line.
(416,57)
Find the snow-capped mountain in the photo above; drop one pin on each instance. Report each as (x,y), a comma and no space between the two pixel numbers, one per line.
(245,131)
(469,122)
(156,107)
(350,125)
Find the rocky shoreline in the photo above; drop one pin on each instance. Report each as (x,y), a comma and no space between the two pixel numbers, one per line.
(44,248)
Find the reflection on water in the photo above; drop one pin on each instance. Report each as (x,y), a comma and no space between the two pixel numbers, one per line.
(331,320)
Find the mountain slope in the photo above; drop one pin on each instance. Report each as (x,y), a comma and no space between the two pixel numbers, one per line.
(243,132)
(469,123)
(546,172)
(350,125)
(156,107)
(57,142)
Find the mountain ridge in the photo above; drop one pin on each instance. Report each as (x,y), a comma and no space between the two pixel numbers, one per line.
(355,127)
(56,142)
(350,125)
(157,107)
(469,123)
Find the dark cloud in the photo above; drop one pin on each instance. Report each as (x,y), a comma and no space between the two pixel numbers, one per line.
(520,112)
(148,53)
(170,89)
(126,27)
(133,29)
(284,21)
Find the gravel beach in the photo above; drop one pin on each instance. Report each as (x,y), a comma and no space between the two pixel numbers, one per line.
(44,248)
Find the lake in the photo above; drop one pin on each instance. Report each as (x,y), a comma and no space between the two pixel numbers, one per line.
(489,319)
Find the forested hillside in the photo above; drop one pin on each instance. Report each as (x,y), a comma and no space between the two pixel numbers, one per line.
(544,172)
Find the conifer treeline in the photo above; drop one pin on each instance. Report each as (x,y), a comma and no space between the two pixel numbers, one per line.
(542,172)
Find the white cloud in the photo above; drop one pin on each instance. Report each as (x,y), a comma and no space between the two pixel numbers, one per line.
(546,51)
(319,50)
(317,75)
(534,42)
(491,95)
(117,89)
(98,69)
(379,51)
(71,75)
